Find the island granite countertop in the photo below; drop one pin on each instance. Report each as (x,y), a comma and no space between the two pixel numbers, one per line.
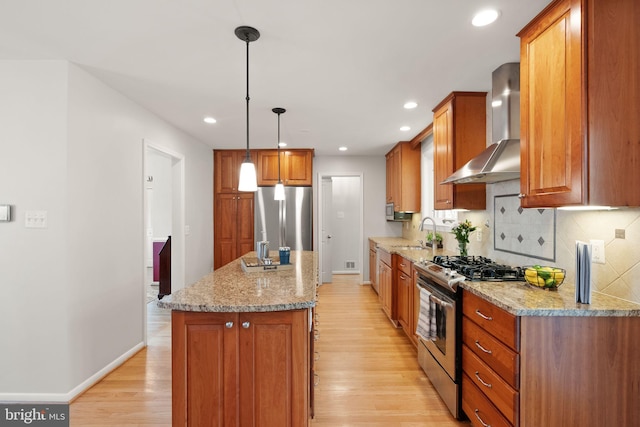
(231,289)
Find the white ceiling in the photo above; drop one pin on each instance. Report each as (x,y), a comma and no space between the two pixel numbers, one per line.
(342,68)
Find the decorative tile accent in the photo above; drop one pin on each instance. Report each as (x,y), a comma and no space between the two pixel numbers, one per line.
(519,229)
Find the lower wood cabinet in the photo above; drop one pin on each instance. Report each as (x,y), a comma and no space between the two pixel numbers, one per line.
(404,285)
(385,287)
(551,371)
(240,369)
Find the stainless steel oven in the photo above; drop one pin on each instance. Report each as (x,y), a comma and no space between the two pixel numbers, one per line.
(439,356)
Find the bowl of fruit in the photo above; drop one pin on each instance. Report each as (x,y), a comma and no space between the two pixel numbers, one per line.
(549,278)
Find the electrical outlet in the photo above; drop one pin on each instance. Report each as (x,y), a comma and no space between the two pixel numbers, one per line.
(479,234)
(597,251)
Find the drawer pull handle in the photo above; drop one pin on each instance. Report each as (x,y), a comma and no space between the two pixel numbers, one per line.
(475,412)
(482,348)
(485,317)
(481,381)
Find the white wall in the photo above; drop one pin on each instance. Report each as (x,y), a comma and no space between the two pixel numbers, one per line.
(74,291)
(373,170)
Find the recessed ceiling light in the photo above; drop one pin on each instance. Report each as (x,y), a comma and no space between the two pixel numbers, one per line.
(405,128)
(209,120)
(343,148)
(485,17)
(410,105)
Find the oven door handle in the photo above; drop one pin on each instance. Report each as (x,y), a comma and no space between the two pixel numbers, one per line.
(440,302)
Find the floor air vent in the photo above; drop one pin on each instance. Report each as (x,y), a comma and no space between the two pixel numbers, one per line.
(350,265)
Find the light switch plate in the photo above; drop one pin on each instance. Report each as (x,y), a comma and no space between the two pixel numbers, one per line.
(5,212)
(35,219)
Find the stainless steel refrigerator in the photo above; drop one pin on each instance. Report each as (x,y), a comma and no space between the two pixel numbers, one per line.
(284,223)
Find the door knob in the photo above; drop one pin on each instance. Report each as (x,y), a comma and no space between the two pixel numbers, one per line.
(328,236)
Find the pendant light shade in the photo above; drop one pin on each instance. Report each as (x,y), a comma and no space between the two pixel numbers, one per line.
(279,191)
(248,179)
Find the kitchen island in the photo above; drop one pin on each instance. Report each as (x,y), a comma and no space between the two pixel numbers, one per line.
(241,345)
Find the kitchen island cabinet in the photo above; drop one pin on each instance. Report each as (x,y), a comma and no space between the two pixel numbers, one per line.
(536,358)
(580,133)
(241,346)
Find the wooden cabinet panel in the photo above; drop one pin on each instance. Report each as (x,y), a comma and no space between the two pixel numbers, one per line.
(274,371)
(233,211)
(478,407)
(501,394)
(491,351)
(296,167)
(240,368)
(459,134)
(372,269)
(579,127)
(551,99)
(233,226)
(403,177)
(404,299)
(496,321)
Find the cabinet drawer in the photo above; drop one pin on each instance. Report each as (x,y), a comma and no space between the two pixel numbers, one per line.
(503,396)
(372,245)
(495,354)
(404,265)
(478,408)
(384,256)
(498,322)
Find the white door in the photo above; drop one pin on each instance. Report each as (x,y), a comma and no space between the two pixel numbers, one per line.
(326,275)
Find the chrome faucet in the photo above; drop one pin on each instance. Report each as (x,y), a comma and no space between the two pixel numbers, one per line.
(433,242)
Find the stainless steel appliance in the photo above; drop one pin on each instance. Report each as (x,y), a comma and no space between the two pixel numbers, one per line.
(392,215)
(287,222)
(440,356)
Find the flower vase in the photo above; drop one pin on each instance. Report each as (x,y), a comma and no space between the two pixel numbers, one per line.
(462,246)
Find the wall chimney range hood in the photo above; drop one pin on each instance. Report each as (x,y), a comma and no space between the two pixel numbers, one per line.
(501,160)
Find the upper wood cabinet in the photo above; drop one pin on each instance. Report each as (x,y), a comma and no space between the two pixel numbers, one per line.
(580,133)
(459,134)
(403,177)
(226,169)
(296,167)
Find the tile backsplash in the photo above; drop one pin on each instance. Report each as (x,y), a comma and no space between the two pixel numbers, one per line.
(619,276)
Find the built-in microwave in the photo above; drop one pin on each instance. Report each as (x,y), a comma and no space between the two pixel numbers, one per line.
(392,215)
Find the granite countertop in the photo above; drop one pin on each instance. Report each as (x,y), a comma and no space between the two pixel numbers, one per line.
(394,245)
(521,299)
(230,289)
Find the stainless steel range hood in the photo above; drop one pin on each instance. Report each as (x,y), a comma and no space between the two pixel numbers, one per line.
(501,160)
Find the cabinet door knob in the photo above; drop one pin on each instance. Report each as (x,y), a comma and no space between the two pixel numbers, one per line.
(228,325)
(246,325)
(521,196)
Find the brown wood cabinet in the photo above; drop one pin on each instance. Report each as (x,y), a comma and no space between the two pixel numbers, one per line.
(296,167)
(552,371)
(373,268)
(580,133)
(403,177)
(233,211)
(404,285)
(490,363)
(459,134)
(385,287)
(240,368)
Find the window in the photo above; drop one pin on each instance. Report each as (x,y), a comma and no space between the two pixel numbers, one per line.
(444,218)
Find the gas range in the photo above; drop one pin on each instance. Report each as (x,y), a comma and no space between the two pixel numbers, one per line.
(478,268)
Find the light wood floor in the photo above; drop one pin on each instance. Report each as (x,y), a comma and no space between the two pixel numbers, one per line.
(368,372)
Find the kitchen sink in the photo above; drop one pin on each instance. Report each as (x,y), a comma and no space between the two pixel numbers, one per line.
(408,247)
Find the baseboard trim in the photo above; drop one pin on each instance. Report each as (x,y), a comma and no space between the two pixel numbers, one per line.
(76,391)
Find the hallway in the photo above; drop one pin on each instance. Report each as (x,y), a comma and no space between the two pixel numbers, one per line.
(367,371)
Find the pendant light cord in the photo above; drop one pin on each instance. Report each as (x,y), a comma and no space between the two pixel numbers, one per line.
(248,158)
(279,148)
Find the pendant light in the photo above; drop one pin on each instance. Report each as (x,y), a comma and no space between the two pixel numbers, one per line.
(248,180)
(279,191)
